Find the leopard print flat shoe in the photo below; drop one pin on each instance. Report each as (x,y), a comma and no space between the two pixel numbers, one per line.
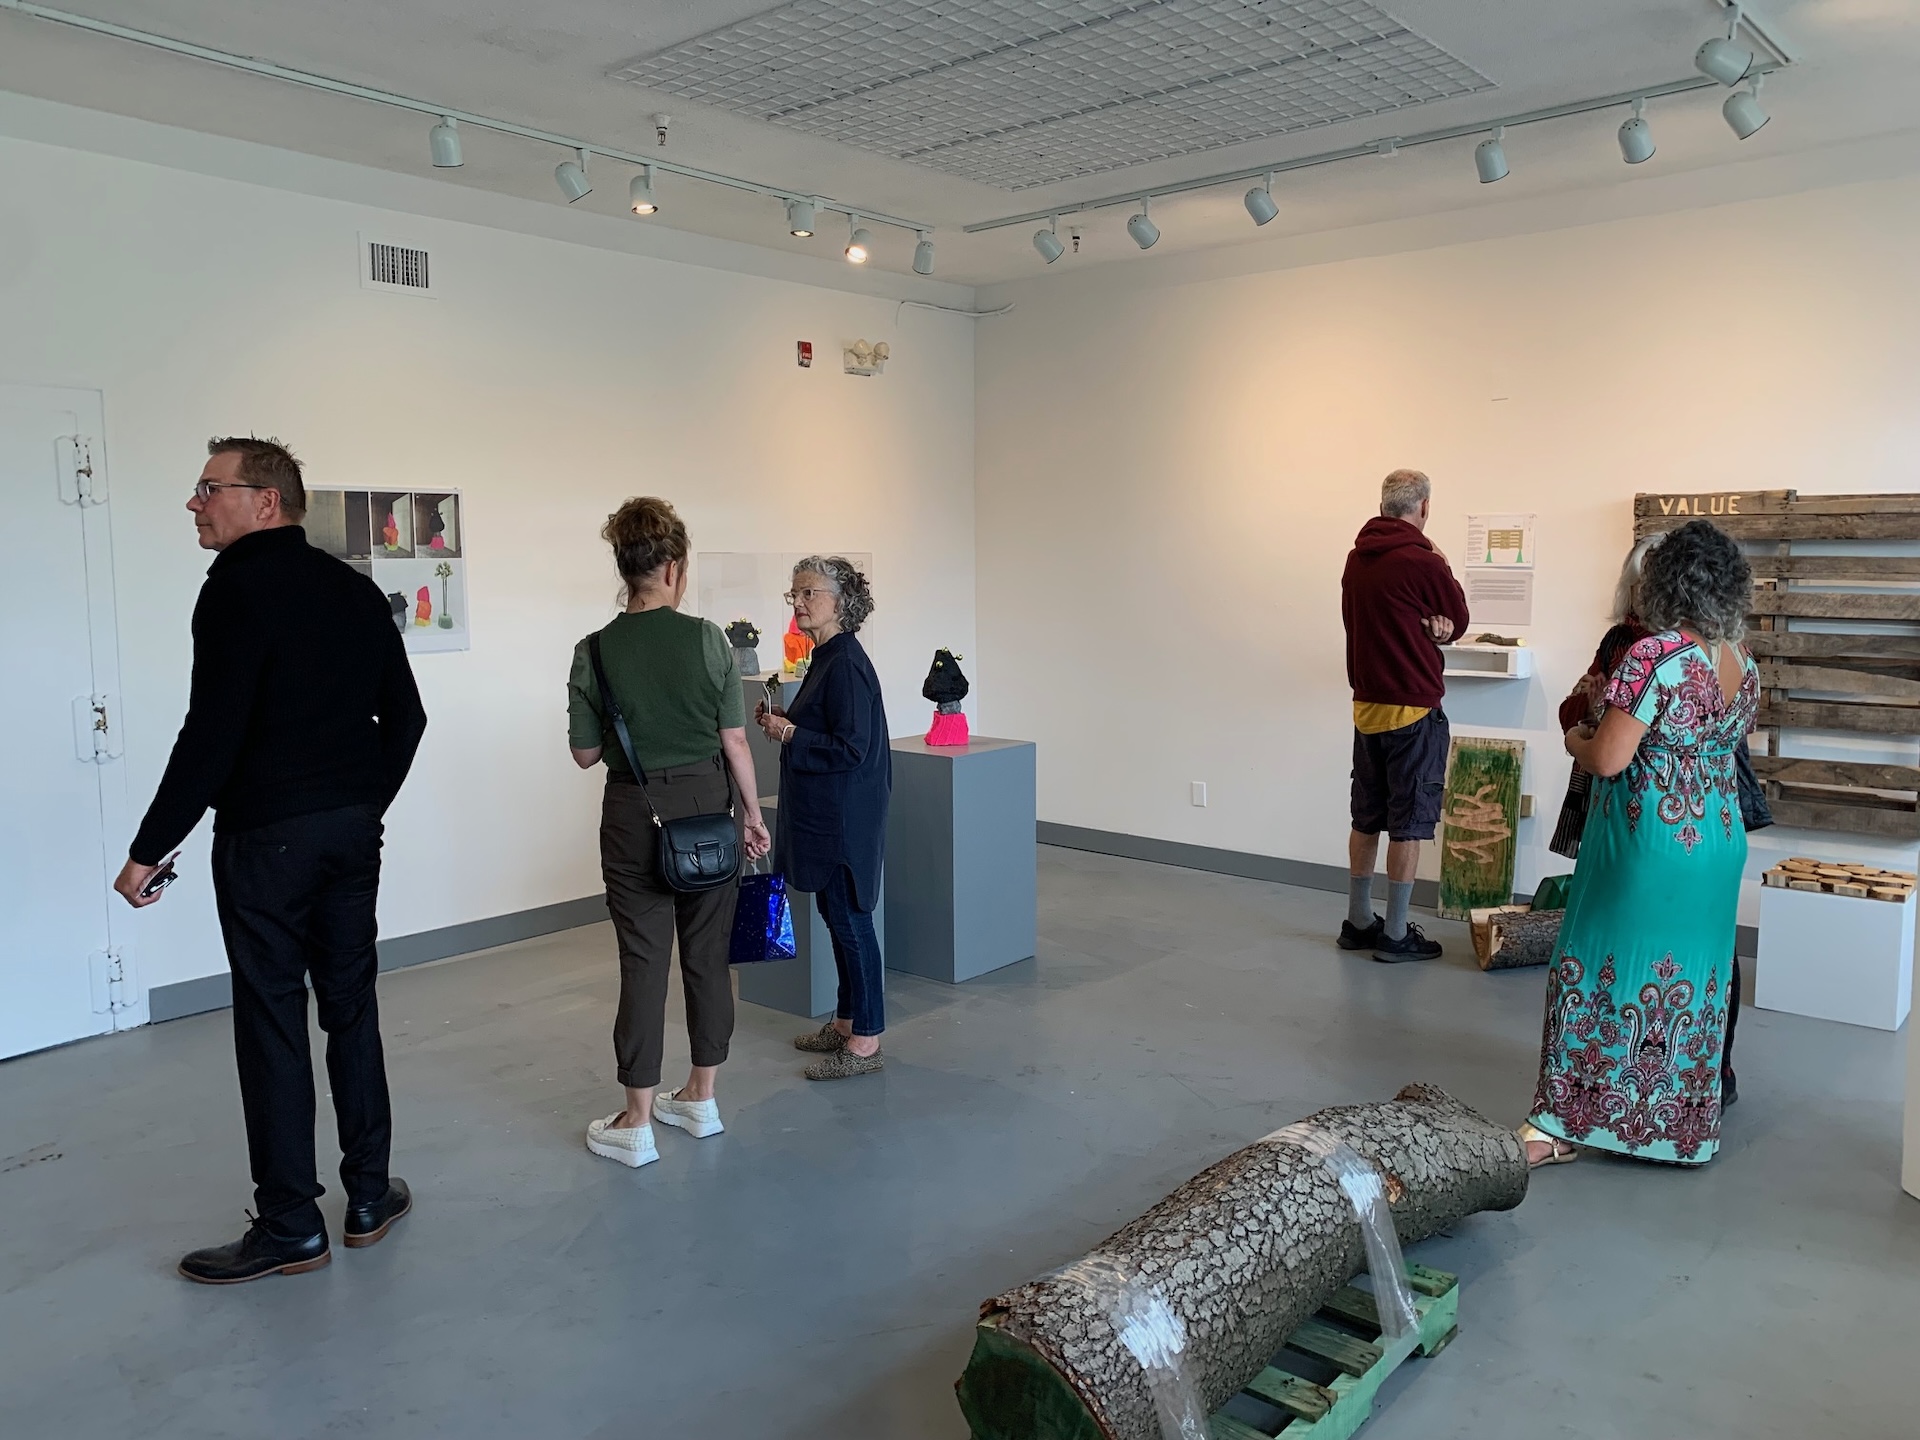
(823,1041)
(843,1064)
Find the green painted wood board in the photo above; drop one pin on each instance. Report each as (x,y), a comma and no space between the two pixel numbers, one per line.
(1478,824)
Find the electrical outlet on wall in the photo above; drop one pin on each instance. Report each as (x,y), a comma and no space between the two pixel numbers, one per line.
(1200,793)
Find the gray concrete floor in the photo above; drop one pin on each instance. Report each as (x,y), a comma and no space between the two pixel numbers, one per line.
(816,1270)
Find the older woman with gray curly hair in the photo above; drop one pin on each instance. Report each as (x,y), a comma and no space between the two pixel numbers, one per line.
(836,778)
(1637,997)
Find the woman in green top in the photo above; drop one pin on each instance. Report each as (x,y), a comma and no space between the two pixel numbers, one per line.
(678,688)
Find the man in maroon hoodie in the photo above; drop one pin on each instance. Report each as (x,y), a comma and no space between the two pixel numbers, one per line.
(1400,603)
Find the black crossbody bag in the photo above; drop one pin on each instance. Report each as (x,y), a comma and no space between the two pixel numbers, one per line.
(699,852)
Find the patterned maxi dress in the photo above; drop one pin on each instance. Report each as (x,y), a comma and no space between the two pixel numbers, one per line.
(1636,1000)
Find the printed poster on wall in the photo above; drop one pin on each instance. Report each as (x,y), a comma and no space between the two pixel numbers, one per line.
(1497,569)
(410,543)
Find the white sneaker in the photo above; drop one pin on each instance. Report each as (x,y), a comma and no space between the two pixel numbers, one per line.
(696,1117)
(632,1146)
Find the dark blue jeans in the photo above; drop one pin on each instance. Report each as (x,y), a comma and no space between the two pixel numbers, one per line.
(856,954)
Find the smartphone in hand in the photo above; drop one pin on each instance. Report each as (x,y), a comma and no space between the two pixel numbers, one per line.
(160,878)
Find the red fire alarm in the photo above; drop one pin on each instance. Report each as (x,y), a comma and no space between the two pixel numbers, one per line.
(806,354)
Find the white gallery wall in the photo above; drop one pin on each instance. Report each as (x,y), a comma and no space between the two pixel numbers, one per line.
(547,381)
(1170,476)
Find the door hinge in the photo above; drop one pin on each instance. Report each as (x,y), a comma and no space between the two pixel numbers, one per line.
(80,482)
(96,736)
(113,983)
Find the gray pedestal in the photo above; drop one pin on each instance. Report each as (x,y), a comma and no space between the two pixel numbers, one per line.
(808,984)
(961,858)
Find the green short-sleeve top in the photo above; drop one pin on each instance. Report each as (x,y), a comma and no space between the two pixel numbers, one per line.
(677,684)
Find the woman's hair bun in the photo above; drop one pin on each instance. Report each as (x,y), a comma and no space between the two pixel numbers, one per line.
(645,534)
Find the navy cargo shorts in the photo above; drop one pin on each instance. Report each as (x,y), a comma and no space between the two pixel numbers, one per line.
(1399,778)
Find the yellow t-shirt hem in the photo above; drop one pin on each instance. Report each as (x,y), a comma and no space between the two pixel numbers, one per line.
(1373,718)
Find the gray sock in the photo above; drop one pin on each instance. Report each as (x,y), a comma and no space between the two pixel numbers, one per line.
(1360,901)
(1399,897)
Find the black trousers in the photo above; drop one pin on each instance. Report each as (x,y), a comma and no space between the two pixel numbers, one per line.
(296,898)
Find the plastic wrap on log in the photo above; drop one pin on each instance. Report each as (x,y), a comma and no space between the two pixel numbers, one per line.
(1243,1252)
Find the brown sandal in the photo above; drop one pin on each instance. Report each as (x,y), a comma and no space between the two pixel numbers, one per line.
(1559,1152)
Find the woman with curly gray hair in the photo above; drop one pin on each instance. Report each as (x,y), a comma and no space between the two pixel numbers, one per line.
(836,778)
(1637,998)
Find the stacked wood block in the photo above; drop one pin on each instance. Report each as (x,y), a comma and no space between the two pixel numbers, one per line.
(1856,675)
(1507,937)
(1862,882)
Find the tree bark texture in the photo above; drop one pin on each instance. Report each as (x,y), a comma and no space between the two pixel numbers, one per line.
(1519,937)
(1243,1253)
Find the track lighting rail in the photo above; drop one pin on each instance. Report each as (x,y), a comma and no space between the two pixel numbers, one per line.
(1370,150)
(437,111)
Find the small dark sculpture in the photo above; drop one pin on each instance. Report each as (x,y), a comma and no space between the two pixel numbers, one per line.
(946,686)
(743,635)
(397,603)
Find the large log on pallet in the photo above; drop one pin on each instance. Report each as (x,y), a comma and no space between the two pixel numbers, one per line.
(1243,1253)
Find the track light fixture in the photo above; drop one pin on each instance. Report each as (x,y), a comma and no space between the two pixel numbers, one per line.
(1047,241)
(800,218)
(571,177)
(1636,140)
(444,142)
(1725,60)
(923,255)
(1141,227)
(1490,157)
(1260,202)
(1743,111)
(859,242)
(640,193)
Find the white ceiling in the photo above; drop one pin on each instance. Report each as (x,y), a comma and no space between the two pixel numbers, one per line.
(555,65)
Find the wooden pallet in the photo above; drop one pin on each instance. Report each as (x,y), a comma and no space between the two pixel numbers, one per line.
(1345,1336)
(1862,882)
(1875,674)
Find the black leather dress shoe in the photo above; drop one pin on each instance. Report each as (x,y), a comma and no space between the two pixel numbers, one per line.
(368,1224)
(257,1253)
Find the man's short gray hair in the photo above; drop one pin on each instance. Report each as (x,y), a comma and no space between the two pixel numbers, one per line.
(1403,493)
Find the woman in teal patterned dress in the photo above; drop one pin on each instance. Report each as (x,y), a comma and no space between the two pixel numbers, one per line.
(1636,998)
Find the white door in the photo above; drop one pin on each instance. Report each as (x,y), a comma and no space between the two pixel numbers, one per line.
(60,975)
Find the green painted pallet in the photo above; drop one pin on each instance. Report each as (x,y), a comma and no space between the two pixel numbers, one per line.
(1336,1410)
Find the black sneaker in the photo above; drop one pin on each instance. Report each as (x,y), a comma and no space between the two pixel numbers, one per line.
(1352,937)
(1411,946)
(257,1253)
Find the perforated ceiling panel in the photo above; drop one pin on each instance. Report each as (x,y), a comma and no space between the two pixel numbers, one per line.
(1025,92)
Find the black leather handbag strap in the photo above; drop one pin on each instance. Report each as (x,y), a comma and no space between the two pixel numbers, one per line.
(619,721)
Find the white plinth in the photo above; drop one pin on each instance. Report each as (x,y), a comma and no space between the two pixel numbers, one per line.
(1910,1170)
(1835,957)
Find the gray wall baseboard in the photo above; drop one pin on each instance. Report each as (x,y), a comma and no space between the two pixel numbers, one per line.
(215,992)
(1305,873)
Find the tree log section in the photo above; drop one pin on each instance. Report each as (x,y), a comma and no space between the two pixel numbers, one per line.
(1243,1252)
(1518,938)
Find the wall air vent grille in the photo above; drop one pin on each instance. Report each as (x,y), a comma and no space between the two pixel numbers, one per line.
(386,265)
(1016,93)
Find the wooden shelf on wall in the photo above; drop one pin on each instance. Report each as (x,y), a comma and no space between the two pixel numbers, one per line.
(1862,681)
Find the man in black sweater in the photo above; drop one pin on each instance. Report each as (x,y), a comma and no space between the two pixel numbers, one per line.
(302,722)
